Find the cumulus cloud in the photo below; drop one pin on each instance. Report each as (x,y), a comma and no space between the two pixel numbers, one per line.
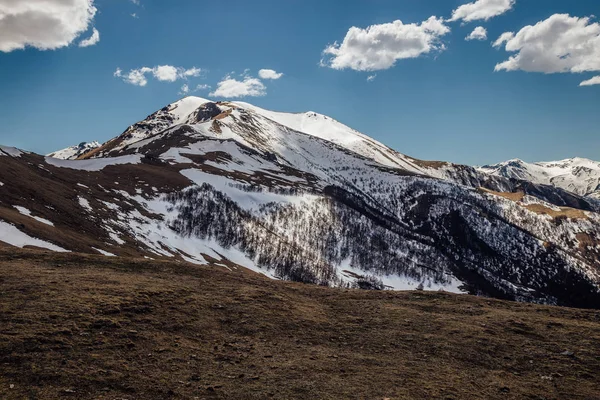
(185,89)
(192,72)
(590,82)
(505,37)
(92,40)
(43,24)
(371,78)
(378,47)
(163,73)
(559,44)
(269,74)
(135,77)
(230,87)
(202,86)
(482,9)
(166,73)
(479,33)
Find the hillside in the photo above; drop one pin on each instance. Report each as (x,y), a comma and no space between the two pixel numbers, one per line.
(302,197)
(88,327)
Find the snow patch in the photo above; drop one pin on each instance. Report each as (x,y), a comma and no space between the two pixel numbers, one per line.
(83,202)
(11,235)
(104,253)
(246,200)
(96,164)
(401,282)
(27,212)
(10,151)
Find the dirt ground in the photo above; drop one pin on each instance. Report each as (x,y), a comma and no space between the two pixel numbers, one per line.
(89,327)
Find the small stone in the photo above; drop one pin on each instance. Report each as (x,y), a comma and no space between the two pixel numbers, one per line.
(567,353)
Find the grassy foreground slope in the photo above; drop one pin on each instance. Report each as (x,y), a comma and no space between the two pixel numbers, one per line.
(85,327)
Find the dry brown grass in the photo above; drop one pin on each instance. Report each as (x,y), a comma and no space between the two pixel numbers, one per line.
(565,212)
(428,164)
(224,114)
(87,327)
(517,196)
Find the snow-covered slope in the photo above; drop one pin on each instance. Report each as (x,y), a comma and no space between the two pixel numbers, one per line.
(327,128)
(74,152)
(577,175)
(305,198)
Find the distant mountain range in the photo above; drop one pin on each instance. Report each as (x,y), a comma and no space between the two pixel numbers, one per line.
(303,197)
(577,175)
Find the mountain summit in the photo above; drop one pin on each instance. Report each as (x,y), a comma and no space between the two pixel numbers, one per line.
(303,197)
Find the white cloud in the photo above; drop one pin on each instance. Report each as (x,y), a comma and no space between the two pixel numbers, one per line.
(134,15)
(232,88)
(559,44)
(162,73)
(43,24)
(505,37)
(482,9)
(185,89)
(135,77)
(594,81)
(192,72)
(92,40)
(136,2)
(371,78)
(378,47)
(479,33)
(166,73)
(269,74)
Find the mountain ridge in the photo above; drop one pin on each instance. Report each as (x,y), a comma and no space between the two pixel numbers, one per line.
(311,122)
(230,183)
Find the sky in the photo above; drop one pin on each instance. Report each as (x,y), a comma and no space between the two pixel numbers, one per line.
(473,82)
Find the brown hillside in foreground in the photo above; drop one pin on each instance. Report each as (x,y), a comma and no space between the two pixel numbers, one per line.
(87,327)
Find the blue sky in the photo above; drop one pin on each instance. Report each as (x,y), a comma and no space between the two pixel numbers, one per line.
(447,103)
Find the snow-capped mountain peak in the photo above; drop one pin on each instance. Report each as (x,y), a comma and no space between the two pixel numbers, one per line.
(183,108)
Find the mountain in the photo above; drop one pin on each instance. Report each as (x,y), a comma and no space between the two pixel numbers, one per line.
(305,198)
(74,152)
(578,175)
